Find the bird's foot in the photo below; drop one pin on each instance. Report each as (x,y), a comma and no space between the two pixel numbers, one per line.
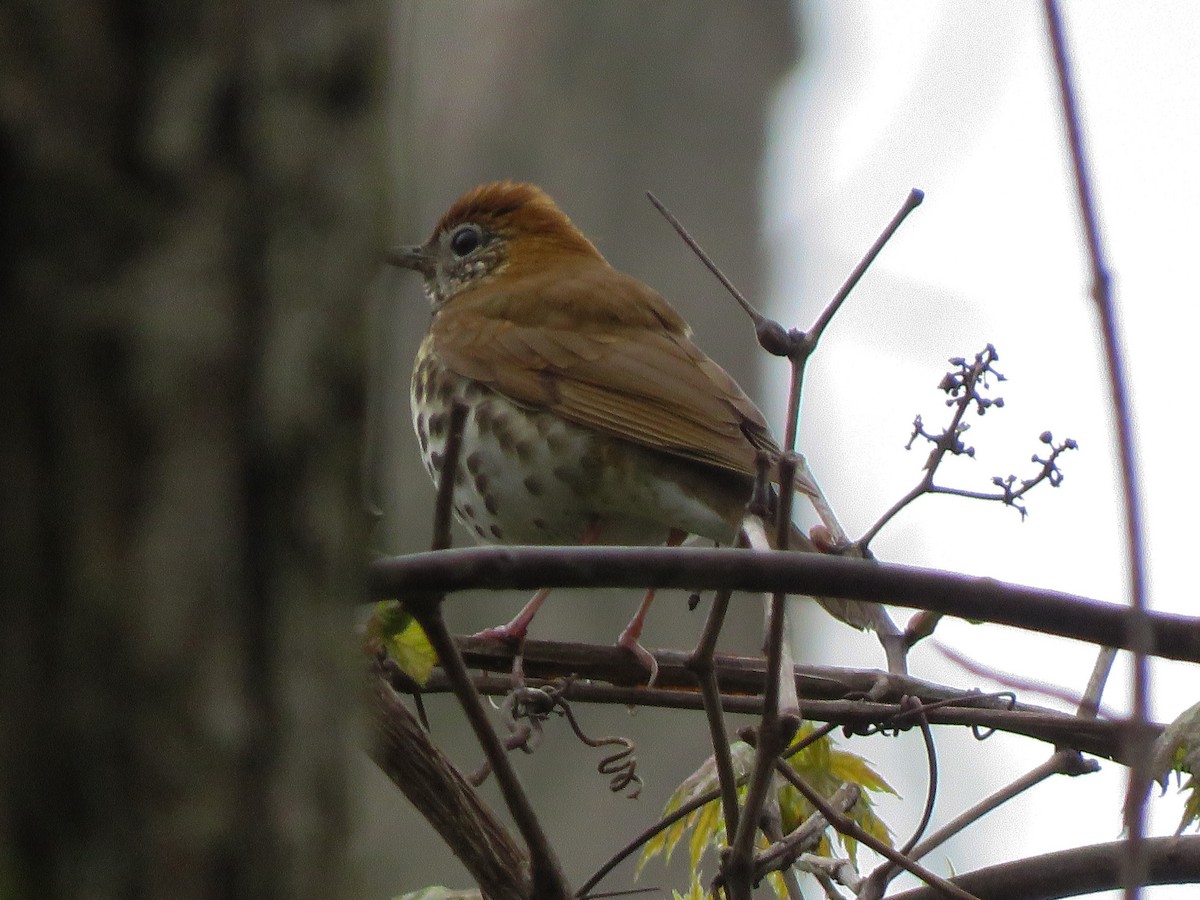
(505,634)
(629,640)
(514,631)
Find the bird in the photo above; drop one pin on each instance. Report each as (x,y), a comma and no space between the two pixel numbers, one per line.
(592,415)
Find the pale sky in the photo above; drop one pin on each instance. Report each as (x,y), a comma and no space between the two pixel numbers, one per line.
(959,100)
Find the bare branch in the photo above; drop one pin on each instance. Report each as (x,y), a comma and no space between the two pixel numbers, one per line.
(742,679)
(810,574)
(1083,870)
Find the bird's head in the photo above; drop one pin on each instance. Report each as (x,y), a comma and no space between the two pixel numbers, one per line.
(496,231)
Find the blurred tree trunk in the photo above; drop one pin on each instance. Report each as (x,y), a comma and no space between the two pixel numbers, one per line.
(192,198)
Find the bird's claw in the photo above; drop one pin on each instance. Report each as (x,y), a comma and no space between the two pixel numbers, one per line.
(505,634)
(641,654)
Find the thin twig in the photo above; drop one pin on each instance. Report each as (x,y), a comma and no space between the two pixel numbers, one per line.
(1062,762)
(755,316)
(799,363)
(701,663)
(1089,705)
(911,202)
(548,878)
(931,792)
(737,870)
(804,344)
(789,702)
(1016,682)
(546,872)
(1139,638)
(445,487)
(786,849)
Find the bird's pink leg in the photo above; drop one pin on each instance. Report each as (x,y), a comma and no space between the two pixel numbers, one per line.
(633,631)
(516,629)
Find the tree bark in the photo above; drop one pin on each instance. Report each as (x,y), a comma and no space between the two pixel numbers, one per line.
(192,204)
(405,751)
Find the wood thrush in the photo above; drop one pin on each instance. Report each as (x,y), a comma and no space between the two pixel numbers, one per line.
(593,418)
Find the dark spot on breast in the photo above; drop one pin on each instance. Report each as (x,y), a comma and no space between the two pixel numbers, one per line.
(437,424)
(472,391)
(468,511)
(435,461)
(479,530)
(483,418)
(460,478)
(497,533)
(524,450)
(445,389)
(481,483)
(563,473)
(556,444)
(540,524)
(533,486)
(502,428)
(489,503)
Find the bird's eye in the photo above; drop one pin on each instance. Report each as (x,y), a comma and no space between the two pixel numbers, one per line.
(465,239)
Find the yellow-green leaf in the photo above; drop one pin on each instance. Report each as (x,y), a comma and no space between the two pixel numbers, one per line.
(823,765)
(1178,750)
(406,643)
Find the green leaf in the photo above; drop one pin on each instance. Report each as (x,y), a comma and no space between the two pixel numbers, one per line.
(1178,750)
(823,765)
(696,785)
(696,889)
(708,828)
(406,643)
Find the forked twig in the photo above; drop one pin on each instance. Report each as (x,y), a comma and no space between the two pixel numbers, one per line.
(797,346)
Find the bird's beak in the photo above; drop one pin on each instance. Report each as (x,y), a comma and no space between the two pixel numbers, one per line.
(414,257)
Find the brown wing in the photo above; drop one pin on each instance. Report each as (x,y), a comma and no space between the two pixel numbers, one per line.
(605,351)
